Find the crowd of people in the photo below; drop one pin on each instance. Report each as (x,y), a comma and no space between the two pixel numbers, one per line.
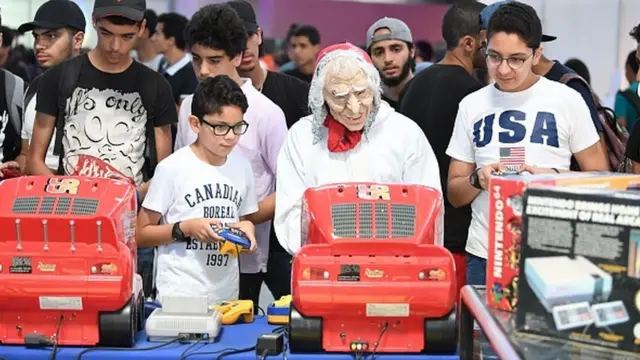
(210,135)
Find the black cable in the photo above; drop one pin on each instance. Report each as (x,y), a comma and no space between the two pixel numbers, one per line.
(375,346)
(79,356)
(182,356)
(234,351)
(54,351)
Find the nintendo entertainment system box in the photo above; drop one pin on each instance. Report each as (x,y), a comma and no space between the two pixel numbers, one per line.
(580,266)
(505,217)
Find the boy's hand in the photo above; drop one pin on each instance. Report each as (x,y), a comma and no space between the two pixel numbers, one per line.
(201,229)
(10,169)
(249,230)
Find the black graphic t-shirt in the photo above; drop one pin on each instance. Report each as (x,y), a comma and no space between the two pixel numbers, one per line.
(7,132)
(105,116)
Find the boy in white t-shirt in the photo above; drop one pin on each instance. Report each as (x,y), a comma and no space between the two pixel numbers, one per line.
(198,186)
(520,123)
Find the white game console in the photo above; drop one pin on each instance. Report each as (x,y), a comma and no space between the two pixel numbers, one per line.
(186,317)
(561,280)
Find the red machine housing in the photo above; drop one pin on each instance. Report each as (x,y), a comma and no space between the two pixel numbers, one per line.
(369,277)
(68,261)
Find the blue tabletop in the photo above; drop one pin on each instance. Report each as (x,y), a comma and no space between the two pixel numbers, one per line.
(239,336)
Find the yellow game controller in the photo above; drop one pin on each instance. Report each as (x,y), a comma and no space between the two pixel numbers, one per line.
(227,247)
(231,311)
(278,311)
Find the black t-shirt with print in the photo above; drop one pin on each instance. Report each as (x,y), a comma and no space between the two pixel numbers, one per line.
(431,100)
(633,144)
(105,116)
(292,96)
(295,72)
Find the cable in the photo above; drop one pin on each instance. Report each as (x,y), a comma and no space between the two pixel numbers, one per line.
(264,354)
(182,356)
(79,356)
(375,346)
(230,352)
(54,351)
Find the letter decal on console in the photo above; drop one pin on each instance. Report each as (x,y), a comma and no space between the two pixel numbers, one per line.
(373,192)
(62,186)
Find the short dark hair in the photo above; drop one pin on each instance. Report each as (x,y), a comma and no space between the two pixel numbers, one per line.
(213,93)
(217,26)
(152,21)
(174,25)
(121,20)
(459,21)
(7,36)
(308,31)
(517,18)
(581,68)
(424,49)
(632,61)
(635,33)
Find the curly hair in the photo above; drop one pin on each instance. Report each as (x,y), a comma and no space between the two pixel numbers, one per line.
(635,33)
(212,94)
(517,18)
(217,26)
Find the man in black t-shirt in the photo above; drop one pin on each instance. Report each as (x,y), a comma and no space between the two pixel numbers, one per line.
(390,45)
(105,115)
(431,100)
(304,45)
(291,95)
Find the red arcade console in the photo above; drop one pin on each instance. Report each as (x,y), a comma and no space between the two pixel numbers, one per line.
(67,262)
(368,277)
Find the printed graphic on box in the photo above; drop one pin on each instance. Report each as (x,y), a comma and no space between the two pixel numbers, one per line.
(578,266)
(505,216)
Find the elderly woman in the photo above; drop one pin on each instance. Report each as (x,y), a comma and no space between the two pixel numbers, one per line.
(351,136)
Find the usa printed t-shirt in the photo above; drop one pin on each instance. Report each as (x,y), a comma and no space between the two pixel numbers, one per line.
(541,126)
(183,188)
(105,116)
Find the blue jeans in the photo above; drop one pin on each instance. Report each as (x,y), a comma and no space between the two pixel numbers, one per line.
(476,270)
(477,275)
(145,269)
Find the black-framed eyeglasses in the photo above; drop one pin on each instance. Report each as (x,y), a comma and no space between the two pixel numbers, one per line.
(223,129)
(515,63)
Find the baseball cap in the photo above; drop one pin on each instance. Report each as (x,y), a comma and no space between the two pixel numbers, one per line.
(246,13)
(486,13)
(130,9)
(398,31)
(56,14)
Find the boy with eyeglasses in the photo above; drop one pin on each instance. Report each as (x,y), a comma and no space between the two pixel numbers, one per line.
(198,186)
(521,123)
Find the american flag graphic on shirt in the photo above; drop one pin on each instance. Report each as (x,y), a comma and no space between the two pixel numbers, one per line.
(512,155)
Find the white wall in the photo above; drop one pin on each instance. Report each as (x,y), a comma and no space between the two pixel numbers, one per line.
(594,31)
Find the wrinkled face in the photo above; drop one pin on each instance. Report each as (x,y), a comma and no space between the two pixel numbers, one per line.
(349,97)
(116,41)
(510,61)
(209,62)
(53,46)
(219,133)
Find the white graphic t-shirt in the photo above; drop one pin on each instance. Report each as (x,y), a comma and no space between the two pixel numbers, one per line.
(105,114)
(185,187)
(542,126)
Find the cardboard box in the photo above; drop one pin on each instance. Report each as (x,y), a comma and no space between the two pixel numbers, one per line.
(505,209)
(580,266)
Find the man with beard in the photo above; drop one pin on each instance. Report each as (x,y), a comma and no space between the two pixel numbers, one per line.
(390,45)
(431,100)
(58,32)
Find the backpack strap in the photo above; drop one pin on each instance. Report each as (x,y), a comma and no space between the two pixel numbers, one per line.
(69,75)
(14,91)
(148,95)
(632,98)
(32,90)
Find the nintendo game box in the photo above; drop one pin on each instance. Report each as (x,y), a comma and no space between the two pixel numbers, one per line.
(580,266)
(505,210)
